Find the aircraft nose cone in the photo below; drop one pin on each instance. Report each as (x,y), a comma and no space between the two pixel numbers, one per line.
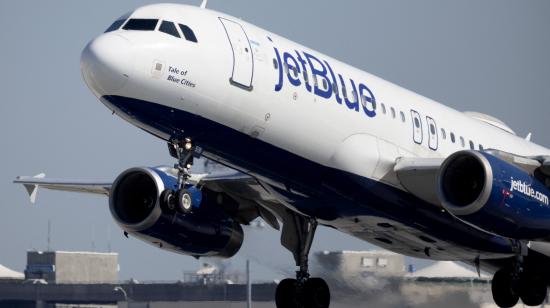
(106,63)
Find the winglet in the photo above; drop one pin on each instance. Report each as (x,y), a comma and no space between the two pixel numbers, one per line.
(32,189)
(203,4)
(528,138)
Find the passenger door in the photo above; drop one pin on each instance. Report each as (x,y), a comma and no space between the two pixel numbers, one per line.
(432,133)
(243,59)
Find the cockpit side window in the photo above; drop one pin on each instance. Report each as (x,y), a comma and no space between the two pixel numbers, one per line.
(169,28)
(141,24)
(188,33)
(119,22)
(115,26)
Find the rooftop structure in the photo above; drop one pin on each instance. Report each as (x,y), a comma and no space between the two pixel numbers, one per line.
(72,267)
(8,274)
(352,263)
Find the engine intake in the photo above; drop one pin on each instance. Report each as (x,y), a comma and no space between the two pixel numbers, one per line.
(465,182)
(134,198)
(208,230)
(494,195)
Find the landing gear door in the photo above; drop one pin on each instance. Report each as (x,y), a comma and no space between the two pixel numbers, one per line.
(417,127)
(432,133)
(243,59)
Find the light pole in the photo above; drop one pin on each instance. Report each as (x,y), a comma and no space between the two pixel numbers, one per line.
(248,286)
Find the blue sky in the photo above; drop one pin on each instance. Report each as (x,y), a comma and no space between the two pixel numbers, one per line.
(489,56)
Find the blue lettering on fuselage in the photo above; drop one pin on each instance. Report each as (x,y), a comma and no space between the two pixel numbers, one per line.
(326,82)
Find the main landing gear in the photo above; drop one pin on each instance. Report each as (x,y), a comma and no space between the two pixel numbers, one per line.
(511,284)
(180,200)
(302,292)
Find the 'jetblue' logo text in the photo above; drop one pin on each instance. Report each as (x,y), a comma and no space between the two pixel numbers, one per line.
(526,189)
(356,97)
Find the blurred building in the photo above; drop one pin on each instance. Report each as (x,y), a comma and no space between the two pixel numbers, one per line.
(72,267)
(352,263)
(213,274)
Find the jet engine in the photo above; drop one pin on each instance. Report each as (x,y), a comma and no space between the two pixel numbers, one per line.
(495,195)
(136,205)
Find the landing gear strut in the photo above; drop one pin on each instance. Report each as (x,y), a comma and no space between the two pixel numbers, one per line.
(180,199)
(302,292)
(511,284)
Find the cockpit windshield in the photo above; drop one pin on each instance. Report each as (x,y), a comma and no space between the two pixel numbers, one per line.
(141,24)
(149,24)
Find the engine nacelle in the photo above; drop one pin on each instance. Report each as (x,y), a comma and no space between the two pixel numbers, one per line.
(494,195)
(135,205)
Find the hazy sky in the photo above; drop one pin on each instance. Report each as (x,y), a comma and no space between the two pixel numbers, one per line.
(490,56)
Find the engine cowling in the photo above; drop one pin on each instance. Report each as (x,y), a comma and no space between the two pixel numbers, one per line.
(135,205)
(494,195)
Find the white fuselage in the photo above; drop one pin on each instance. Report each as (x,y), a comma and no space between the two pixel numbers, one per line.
(252,81)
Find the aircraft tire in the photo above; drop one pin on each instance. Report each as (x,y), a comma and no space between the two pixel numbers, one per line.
(167,202)
(503,289)
(315,294)
(286,294)
(185,201)
(533,290)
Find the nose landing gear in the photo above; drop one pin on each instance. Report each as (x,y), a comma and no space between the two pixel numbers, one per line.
(302,292)
(180,199)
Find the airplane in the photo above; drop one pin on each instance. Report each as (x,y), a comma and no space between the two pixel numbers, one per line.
(308,140)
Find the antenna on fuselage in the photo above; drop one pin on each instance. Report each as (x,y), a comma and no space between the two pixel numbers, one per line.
(203,4)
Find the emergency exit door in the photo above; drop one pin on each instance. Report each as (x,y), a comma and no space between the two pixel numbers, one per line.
(418,135)
(243,59)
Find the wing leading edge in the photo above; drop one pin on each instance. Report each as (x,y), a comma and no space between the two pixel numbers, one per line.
(33,183)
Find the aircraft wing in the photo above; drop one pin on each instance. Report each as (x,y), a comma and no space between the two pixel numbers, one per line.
(419,175)
(251,198)
(32,183)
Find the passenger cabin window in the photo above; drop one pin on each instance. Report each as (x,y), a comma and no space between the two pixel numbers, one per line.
(188,33)
(116,25)
(462,143)
(472,146)
(443,134)
(169,28)
(402,116)
(141,24)
(481,147)
(392,112)
(383,109)
(275,64)
(453,139)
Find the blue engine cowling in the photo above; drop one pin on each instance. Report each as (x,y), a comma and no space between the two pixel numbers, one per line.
(135,205)
(494,195)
